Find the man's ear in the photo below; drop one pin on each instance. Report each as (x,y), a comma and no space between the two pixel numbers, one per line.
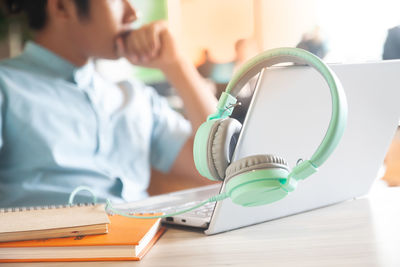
(61,9)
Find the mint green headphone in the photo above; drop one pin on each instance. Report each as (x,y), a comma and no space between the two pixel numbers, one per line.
(263,179)
(258,179)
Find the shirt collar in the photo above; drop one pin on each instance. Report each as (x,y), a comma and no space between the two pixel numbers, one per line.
(52,63)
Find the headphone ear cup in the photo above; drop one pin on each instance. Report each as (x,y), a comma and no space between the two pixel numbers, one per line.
(220,146)
(257,180)
(201,147)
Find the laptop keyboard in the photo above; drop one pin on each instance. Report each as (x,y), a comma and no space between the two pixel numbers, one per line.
(204,211)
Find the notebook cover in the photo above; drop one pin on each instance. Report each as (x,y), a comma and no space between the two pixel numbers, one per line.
(122,231)
(56,217)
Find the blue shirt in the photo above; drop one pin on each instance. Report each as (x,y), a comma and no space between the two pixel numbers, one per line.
(62,126)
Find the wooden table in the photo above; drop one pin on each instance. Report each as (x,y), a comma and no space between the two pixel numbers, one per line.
(363,232)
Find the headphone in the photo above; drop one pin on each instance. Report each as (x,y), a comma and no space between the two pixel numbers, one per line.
(263,179)
(258,179)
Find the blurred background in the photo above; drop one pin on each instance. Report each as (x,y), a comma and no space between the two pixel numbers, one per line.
(219,35)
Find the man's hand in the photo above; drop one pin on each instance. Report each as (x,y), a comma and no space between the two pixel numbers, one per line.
(149,46)
(153,46)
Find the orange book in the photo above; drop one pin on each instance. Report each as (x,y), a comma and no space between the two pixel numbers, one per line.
(127,239)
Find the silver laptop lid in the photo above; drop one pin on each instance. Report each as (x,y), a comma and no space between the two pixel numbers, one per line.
(289,116)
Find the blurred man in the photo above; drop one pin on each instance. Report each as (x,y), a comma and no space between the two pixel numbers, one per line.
(62,125)
(391,48)
(314,42)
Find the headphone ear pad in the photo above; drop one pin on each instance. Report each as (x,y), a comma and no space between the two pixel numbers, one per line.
(256,180)
(220,145)
(200,148)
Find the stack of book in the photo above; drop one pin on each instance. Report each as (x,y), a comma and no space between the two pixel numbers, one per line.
(74,233)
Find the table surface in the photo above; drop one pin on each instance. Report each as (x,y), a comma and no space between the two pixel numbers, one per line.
(362,232)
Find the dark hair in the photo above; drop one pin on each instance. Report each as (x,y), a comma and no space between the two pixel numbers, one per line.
(36,10)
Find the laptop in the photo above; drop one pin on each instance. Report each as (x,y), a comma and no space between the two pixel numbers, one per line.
(288,116)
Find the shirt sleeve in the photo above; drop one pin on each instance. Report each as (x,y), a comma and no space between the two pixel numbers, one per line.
(170,132)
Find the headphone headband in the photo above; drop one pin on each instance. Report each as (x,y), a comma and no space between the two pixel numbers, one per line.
(300,56)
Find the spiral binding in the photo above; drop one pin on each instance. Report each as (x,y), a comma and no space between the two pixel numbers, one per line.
(49,207)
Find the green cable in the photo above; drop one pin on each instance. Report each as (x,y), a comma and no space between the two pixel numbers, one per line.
(78,189)
(111,208)
(211,199)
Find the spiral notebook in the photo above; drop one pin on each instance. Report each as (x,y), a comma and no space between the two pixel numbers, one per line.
(52,221)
